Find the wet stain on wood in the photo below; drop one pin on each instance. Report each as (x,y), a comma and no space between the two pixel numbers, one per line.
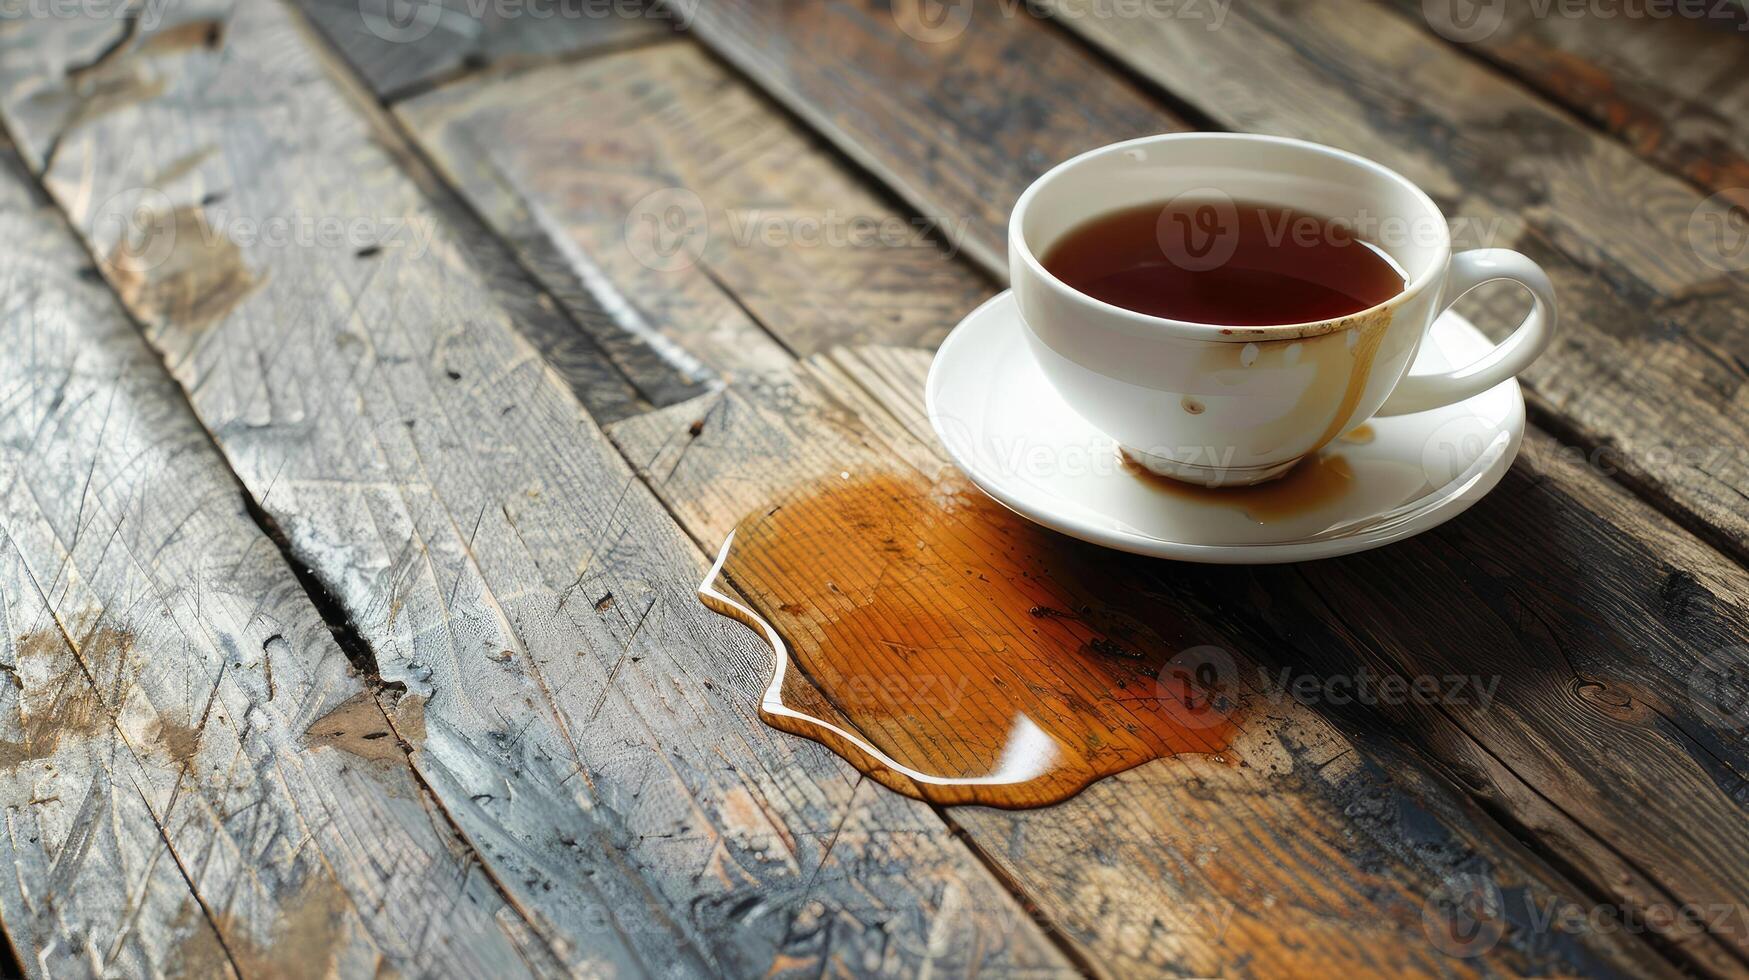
(177,270)
(957,653)
(357,726)
(179,741)
(304,943)
(205,33)
(56,699)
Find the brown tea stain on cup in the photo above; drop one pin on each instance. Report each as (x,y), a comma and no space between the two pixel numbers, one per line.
(1313,482)
(955,652)
(1360,435)
(1368,335)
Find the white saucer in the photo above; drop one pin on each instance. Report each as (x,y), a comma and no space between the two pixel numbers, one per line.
(1013,435)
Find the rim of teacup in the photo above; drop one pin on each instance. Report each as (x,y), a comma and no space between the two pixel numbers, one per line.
(1226,331)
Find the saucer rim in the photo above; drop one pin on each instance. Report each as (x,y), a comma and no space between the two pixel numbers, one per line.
(1438,510)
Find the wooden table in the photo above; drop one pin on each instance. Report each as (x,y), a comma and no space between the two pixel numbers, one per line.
(367,431)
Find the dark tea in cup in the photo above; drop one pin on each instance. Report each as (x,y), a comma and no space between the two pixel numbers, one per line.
(1232,263)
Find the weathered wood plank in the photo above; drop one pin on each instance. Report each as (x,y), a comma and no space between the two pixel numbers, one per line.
(1654,317)
(616,368)
(1316,857)
(1666,80)
(955,107)
(587,725)
(402,47)
(590,354)
(189,765)
(658,178)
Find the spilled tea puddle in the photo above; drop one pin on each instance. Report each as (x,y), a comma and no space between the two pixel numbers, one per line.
(955,652)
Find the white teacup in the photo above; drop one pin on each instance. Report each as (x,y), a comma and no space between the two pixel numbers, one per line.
(1218,404)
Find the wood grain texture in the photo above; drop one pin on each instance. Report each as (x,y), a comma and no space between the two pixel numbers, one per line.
(1318,855)
(657,179)
(588,726)
(195,779)
(1669,86)
(955,107)
(403,47)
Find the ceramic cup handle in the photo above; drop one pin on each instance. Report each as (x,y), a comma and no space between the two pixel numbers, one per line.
(1419,392)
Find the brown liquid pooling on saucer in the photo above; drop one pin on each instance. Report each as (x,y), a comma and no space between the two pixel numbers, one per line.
(957,653)
(1313,482)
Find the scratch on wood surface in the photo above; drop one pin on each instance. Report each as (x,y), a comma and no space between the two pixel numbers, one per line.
(65,703)
(180,270)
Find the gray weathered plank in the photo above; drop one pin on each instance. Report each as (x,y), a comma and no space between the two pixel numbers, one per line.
(189,765)
(615,371)
(403,47)
(582,165)
(95,84)
(588,726)
(1315,858)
